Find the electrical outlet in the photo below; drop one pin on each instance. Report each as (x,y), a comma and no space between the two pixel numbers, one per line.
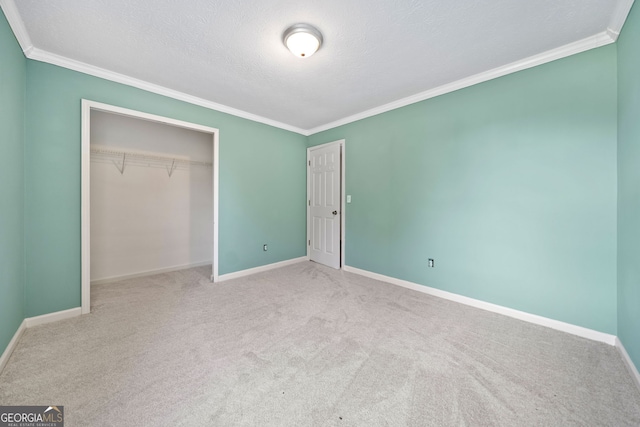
(432,263)
(264,247)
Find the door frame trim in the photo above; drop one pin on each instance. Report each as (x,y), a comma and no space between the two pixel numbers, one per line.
(85,192)
(343,205)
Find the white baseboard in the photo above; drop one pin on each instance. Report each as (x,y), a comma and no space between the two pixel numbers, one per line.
(627,361)
(74,312)
(260,269)
(35,321)
(12,345)
(520,315)
(52,317)
(149,273)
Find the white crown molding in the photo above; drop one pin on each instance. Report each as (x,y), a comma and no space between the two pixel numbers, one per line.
(262,268)
(592,42)
(629,363)
(598,40)
(82,67)
(17,25)
(619,18)
(506,311)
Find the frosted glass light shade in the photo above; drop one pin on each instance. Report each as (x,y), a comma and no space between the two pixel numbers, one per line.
(302,40)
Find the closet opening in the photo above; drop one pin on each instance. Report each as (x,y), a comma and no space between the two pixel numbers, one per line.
(149,195)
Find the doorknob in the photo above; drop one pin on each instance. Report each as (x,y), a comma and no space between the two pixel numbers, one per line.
(335,212)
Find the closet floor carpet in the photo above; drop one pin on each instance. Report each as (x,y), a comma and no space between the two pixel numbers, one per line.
(306,345)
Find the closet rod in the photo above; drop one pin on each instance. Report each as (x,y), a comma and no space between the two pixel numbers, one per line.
(148,158)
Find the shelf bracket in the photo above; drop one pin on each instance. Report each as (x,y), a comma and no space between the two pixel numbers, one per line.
(121,167)
(172,168)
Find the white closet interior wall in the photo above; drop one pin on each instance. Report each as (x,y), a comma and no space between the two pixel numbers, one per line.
(144,219)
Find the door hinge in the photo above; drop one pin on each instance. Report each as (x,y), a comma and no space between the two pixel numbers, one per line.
(309,162)
(309,202)
(309,244)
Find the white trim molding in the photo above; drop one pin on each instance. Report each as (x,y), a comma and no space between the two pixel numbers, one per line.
(601,39)
(30,322)
(30,51)
(82,67)
(112,279)
(6,354)
(608,36)
(262,268)
(216,204)
(17,25)
(53,317)
(85,184)
(628,362)
(516,314)
(343,197)
(619,18)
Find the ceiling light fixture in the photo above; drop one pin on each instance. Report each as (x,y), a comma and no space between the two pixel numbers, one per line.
(303,40)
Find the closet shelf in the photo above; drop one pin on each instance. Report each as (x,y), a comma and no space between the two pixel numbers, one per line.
(124,158)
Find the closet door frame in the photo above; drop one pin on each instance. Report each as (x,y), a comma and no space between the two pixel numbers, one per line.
(87,107)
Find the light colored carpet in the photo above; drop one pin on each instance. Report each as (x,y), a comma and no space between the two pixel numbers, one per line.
(308,345)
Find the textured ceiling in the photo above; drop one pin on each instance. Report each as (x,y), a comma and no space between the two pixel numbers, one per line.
(374,52)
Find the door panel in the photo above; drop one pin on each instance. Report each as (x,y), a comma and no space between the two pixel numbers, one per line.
(316,239)
(329,230)
(324,209)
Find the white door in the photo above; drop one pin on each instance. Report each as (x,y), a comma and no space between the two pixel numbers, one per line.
(324,205)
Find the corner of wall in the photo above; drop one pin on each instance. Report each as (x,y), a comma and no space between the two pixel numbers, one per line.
(628,178)
(12,220)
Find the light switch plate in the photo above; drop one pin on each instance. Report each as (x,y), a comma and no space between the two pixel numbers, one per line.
(348,198)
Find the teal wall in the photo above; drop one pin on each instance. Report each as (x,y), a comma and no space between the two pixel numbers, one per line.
(12,103)
(629,186)
(262,182)
(510,185)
